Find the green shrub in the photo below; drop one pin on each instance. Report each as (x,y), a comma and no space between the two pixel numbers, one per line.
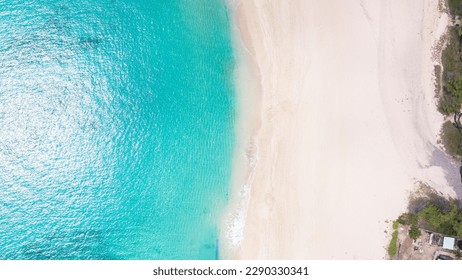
(451,139)
(451,99)
(455,7)
(452,96)
(393,247)
(407,219)
(443,221)
(414,232)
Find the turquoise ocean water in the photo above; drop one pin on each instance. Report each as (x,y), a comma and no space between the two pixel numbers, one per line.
(116,128)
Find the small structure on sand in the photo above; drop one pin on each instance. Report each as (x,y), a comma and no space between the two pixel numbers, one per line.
(448,243)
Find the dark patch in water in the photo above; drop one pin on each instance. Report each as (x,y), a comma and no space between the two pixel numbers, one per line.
(89,42)
(61,9)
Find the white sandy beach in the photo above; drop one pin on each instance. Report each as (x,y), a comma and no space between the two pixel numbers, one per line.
(341,127)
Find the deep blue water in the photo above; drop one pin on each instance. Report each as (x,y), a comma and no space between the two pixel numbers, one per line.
(116,128)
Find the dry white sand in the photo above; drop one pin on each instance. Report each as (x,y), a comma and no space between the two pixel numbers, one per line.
(342,123)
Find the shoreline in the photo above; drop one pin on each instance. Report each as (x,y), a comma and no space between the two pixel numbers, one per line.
(246,152)
(342,129)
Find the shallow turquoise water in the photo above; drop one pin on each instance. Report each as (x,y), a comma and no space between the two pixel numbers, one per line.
(116,122)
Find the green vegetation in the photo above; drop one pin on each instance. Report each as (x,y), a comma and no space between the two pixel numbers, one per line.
(447,222)
(451,138)
(432,212)
(451,57)
(451,100)
(414,232)
(411,220)
(437,214)
(392,248)
(452,97)
(428,210)
(407,219)
(455,7)
(395,224)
